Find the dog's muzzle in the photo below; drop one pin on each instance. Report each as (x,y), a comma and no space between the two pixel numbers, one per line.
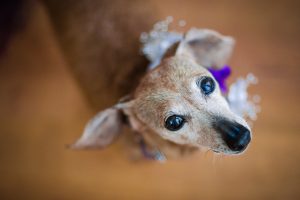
(235,135)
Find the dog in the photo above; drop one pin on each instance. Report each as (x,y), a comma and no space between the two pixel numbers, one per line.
(177,107)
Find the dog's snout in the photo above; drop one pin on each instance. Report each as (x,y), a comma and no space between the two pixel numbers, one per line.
(235,135)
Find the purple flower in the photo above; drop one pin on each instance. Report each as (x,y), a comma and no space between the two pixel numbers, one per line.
(221,75)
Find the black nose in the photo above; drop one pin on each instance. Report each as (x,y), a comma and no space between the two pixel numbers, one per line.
(235,135)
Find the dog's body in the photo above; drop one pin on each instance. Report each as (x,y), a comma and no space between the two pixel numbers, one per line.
(101,41)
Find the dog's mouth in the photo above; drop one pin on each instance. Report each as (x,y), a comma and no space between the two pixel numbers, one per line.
(229,152)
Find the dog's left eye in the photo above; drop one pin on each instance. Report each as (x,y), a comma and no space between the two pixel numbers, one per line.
(207,85)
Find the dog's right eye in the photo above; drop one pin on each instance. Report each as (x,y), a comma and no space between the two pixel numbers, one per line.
(174,122)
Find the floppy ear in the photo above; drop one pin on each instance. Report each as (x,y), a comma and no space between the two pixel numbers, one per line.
(101,130)
(207,47)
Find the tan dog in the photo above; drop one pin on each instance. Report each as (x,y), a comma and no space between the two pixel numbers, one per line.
(178,106)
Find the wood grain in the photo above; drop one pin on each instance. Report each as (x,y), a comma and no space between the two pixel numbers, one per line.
(43,109)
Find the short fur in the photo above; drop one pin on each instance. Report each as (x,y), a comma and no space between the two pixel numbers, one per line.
(172,88)
(101,43)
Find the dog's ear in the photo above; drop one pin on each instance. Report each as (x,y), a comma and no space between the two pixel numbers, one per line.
(207,47)
(102,129)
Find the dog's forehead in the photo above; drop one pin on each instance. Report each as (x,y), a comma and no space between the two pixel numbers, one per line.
(173,74)
(166,88)
(178,67)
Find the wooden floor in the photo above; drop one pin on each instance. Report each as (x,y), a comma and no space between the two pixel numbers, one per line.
(42,109)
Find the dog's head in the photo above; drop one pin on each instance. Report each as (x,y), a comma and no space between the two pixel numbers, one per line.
(179,100)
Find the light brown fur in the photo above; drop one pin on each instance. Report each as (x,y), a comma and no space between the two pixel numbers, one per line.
(101,42)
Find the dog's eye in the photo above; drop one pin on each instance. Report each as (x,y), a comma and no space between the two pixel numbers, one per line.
(174,122)
(207,85)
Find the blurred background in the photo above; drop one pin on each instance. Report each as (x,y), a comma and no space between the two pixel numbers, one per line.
(42,108)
